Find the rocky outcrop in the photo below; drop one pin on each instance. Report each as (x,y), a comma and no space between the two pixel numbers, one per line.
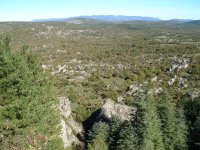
(183,83)
(120,99)
(179,63)
(71,130)
(194,93)
(155,90)
(67,134)
(64,107)
(110,109)
(171,81)
(134,89)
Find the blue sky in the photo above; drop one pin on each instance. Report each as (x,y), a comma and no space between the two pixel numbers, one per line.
(25,10)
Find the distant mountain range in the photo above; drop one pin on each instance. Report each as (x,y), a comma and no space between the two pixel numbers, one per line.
(194,22)
(111,18)
(180,20)
(50,20)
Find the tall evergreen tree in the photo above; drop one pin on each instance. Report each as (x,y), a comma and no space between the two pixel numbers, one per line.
(149,127)
(192,111)
(98,136)
(181,131)
(115,126)
(27,117)
(127,138)
(167,113)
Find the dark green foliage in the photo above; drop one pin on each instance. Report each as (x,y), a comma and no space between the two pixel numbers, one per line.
(196,131)
(148,125)
(167,113)
(127,138)
(148,130)
(27,117)
(192,111)
(191,107)
(115,126)
(181,131)
(98,137)
(144,132)
(173,123)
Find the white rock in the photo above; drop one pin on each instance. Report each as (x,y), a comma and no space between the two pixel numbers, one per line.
(111,109)
(70,128)
(120,99)
(44,67)
(171,81)
(64,106)
(132,89)
(154,79)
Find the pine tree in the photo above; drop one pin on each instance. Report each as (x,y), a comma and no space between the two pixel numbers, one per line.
(149,127)
(167,113)
(115,126)
(98,136)
(127,138)
(181,130)
(191,111)
(27,116)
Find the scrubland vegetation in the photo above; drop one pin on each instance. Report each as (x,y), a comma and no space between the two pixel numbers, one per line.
(153,66)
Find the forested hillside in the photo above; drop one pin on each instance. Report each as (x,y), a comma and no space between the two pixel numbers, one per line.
(87,84)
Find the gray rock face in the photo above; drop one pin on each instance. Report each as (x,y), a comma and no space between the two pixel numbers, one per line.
(67,134)
(194,93)
(120,99)
(111,109)
(179,63)
(132,89)
(70,128)
(182,83)
(64,107)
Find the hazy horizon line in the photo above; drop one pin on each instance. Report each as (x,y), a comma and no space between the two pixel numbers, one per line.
(94,15)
